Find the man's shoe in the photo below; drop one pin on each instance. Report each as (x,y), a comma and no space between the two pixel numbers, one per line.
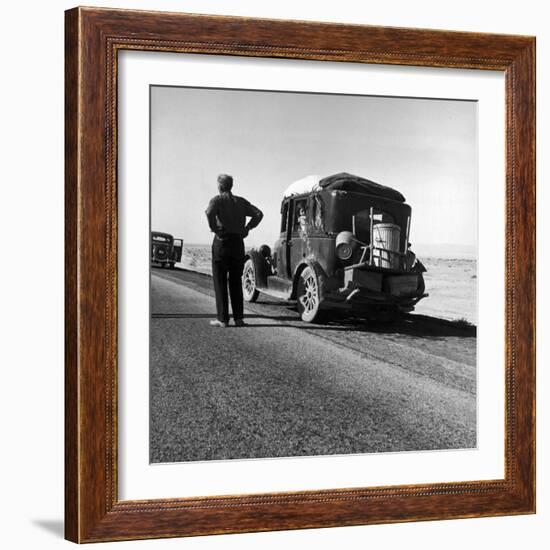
(240,323)
(216,323)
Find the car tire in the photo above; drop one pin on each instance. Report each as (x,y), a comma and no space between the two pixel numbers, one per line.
(309,296)
(250,291)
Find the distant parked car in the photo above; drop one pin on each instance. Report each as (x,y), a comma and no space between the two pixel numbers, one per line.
(165,250)
(344,245)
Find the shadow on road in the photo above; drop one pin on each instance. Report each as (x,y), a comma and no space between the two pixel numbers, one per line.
(273,302)
(213,316)
(422,326)
(183,315)
(404,327)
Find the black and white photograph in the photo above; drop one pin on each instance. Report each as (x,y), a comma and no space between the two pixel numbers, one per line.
(313,274)
(286,285)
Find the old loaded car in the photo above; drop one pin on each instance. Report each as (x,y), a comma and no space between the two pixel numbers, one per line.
(165,250)
(344,244)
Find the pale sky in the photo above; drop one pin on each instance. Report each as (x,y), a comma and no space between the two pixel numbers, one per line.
(425,148)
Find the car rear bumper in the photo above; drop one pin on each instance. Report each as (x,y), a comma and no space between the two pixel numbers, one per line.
(358,298)
(400,292)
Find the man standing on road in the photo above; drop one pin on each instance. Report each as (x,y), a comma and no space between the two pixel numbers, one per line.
(226,216)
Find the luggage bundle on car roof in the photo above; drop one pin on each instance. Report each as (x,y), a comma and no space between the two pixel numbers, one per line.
(342,182)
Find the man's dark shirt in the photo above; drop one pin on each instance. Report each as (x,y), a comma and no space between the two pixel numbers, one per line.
(227,214)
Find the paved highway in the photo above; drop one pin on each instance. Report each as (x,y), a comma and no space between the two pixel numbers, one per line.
(280,387)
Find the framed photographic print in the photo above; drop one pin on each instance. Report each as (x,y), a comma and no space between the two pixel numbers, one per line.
(300,275)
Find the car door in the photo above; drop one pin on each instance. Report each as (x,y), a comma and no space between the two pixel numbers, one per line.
(299,229)
(283,246)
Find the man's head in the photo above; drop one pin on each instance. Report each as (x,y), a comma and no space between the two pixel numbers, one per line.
(225,183)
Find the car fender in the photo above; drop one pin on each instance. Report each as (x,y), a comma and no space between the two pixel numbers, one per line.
(260,265)
(419,267)
(319,271)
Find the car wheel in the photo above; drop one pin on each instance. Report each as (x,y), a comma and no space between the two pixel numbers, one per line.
(309,296)
(250,292)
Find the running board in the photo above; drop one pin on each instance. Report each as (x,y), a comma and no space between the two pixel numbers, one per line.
(279,287)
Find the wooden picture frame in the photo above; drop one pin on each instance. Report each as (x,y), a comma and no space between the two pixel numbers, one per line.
(93,511)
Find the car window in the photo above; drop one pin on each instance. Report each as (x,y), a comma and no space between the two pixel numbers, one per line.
(284,216)
(161,239)
(317,213)
(382,217)
(362,222)
(300,216)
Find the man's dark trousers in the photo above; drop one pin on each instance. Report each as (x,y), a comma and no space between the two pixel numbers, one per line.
(227,266)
